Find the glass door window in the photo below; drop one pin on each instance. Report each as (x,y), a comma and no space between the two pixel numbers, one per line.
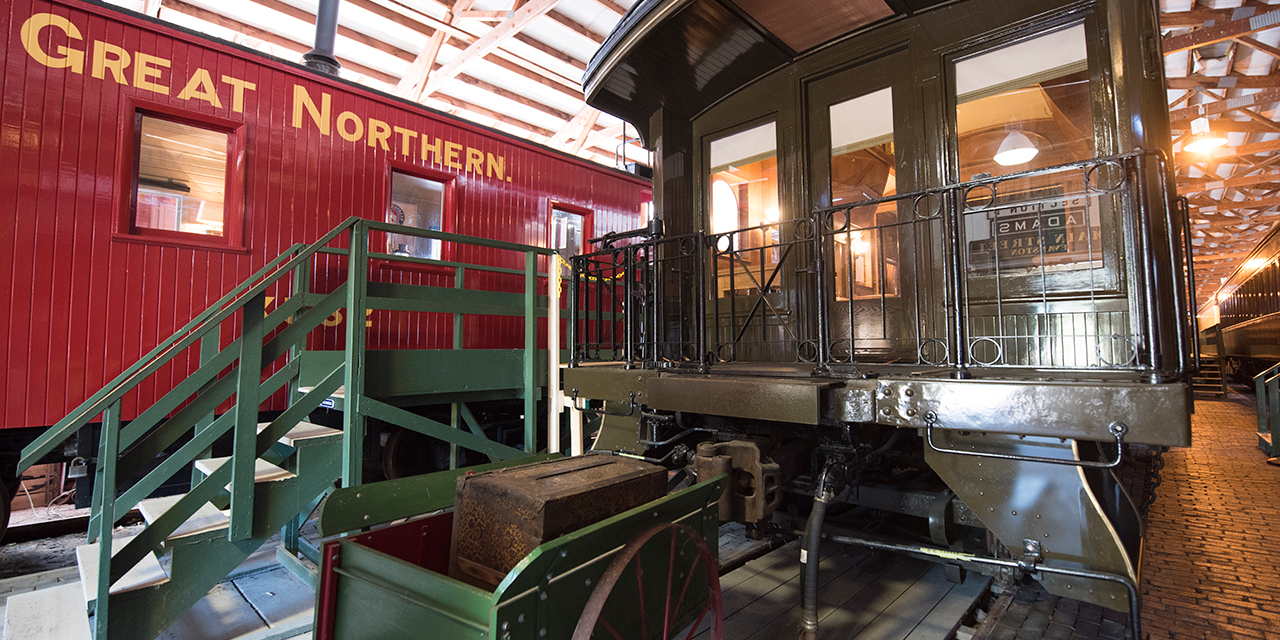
(864,167)
(744,199)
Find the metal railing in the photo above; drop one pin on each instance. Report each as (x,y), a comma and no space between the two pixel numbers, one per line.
(1067,267)
(225,393)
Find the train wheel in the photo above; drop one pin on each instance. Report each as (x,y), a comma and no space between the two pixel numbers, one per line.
(675,556)
(409,453)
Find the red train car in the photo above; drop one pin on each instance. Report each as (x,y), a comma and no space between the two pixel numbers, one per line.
(149,170)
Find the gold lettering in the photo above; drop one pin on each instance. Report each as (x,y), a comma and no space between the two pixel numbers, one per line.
(238,87)
(497,166)
(70,58)
(302,99)
(406,136)
(451,150)
(148,68)
(379,132)
(350,136)
(200,86)
(433,148)
(475,158)
(117,65)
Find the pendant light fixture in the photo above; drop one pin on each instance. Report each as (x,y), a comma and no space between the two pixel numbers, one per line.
(1015,149)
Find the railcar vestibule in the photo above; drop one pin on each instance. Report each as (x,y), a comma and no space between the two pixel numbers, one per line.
(902,239)
(861,130)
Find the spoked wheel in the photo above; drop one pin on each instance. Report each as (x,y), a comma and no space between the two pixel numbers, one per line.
(663,581)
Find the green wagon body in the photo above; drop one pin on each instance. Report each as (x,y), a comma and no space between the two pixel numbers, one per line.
(391,583)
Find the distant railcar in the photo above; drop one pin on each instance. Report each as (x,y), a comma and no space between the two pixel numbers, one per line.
(920,258)
(1249,312)
(149,170)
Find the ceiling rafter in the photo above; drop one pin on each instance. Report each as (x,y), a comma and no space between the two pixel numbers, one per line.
(577,28)
(413,81)
(487,43)
(1229,104)
(1187,187)
(1221,32)
(282,42)
(1232,81)
(502,58)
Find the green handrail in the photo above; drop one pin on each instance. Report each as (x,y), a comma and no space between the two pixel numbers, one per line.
(168,349)
(236,369)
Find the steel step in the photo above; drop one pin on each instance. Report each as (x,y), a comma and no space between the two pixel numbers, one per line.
(56,613)
(147,573)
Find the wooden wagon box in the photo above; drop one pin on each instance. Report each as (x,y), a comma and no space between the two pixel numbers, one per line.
(503,515)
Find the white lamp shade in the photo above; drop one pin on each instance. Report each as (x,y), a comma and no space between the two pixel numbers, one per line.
(1015,149)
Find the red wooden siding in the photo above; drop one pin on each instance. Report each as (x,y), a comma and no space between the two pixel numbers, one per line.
(85,301)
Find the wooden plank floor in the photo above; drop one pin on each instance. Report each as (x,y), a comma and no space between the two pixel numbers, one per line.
(862,596)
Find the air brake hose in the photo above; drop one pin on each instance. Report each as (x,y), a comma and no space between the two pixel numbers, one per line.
(828,486)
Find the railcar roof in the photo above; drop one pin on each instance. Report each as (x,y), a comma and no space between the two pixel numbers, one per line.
(686,54)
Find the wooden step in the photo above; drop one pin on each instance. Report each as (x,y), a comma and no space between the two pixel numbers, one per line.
(146,573)
(207,518)
(56,613)
(303,431)
(340,393)
(263,471)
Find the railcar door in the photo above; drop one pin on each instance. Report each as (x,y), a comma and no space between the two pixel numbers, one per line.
(875,284)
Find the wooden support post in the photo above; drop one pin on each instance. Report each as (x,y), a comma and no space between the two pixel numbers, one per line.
(244,448)
(353,420)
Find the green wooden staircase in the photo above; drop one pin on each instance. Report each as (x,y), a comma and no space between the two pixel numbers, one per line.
(279,469)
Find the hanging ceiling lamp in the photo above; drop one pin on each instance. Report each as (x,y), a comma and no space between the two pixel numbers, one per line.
(1015,149)
(1202,140)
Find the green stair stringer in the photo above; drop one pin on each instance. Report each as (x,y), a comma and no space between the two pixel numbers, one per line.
(201,561)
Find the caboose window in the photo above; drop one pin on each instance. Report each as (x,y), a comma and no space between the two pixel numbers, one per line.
(744,200)
(415,202)
(1025,106)
(863,167)
(568,234)
(181,177)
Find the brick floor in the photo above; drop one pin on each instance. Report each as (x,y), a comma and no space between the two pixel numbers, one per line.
(1211,562)
(1211,565)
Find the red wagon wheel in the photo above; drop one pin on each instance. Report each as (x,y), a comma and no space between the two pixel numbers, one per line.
(660,542)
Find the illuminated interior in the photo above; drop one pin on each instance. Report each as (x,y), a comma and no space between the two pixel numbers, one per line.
(1025,106)
(744,196)
(415,202)
(182,177)
(863,167)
